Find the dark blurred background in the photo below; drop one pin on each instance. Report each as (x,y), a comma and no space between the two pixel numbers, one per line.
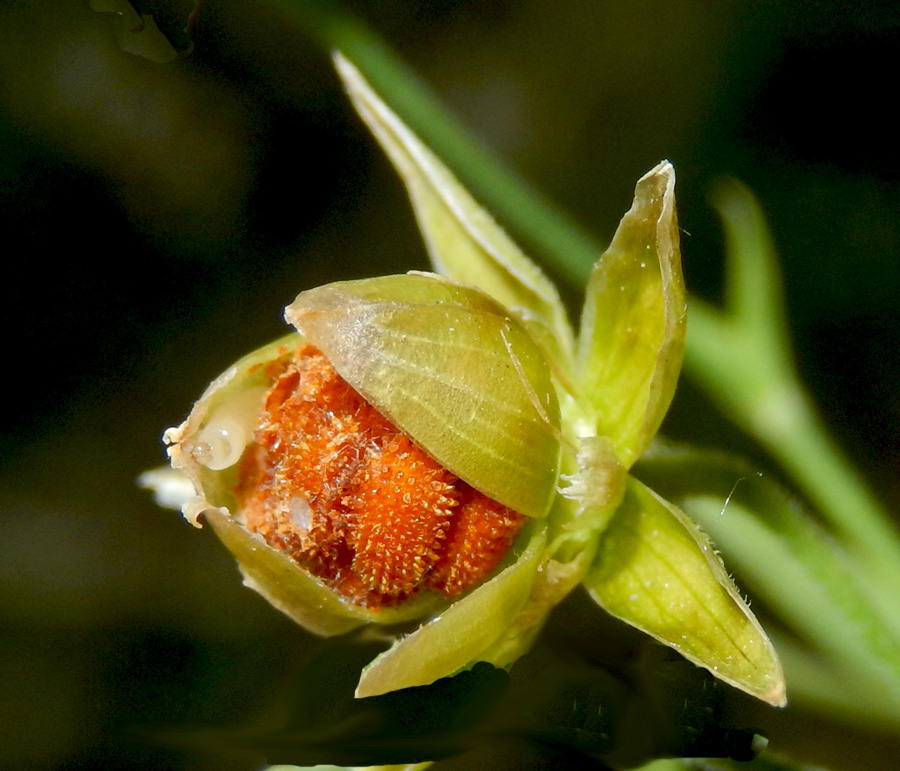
(159,216)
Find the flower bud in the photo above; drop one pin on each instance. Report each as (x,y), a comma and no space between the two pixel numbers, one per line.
(403,451)
(382,463)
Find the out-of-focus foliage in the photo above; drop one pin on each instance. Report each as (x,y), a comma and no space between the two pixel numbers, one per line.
(151,209)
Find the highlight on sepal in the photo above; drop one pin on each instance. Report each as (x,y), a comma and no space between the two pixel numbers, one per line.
(597,486)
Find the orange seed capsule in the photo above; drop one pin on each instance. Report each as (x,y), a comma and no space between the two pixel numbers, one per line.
(356,502)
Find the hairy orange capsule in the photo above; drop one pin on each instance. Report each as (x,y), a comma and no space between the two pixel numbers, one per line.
(356,502)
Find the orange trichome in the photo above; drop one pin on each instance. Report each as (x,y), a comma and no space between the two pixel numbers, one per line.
(355,501)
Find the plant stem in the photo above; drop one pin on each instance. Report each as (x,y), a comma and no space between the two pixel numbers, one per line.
(742,357)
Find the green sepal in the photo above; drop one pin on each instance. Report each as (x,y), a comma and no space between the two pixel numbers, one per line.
(657,571)
(459,636)
(313,604)
(633,324)
(463,240)
(451,368)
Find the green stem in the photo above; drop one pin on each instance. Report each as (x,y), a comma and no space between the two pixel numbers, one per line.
(742,356)
(563,243)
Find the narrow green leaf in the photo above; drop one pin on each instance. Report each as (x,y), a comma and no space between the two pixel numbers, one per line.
(633,325)
(463,240)
(453,369)
(658,572)
(456,638)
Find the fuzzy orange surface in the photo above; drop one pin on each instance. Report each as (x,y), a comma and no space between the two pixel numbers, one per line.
(355,501)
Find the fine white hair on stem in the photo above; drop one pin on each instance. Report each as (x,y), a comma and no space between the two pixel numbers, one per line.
(734,487)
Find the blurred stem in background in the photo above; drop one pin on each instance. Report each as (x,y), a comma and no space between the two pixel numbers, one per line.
(835,588)
(743,359)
